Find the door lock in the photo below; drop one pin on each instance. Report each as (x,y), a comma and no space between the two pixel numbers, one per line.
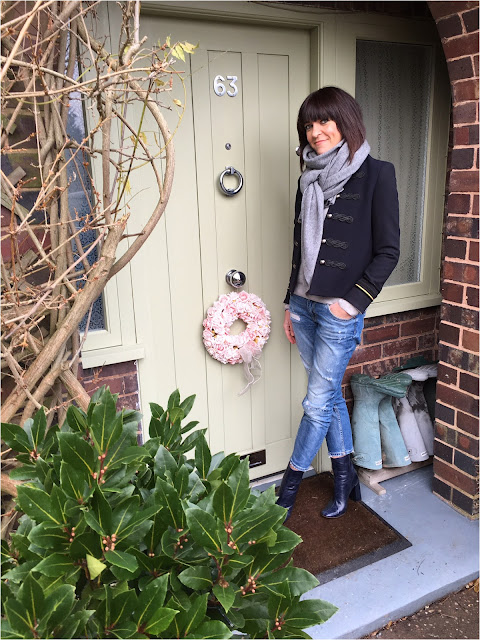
(235,278)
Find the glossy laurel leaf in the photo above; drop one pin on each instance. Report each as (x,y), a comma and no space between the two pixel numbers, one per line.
(152,597)
(55,565)
(95,567)
(225,595)
(203,457)
(122,559)
(76,452)
(196,577)
(38,505)
(16,438)
(203,528)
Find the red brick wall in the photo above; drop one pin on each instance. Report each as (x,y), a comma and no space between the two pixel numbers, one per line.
(457,442)
(121,378)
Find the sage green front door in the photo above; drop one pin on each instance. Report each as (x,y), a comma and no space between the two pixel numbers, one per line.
(243,87)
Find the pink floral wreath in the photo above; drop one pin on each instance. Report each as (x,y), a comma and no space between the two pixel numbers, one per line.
(244,347)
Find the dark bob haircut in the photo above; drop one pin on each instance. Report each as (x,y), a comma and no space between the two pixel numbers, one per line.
(332,103)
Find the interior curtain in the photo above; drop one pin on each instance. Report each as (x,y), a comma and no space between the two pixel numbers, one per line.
(393,87)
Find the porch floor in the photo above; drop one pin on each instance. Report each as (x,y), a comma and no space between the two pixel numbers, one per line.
(443,557)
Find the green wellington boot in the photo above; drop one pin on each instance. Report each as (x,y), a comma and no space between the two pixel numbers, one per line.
(368,393)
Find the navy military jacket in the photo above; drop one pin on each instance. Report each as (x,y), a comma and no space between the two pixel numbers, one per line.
(361,238)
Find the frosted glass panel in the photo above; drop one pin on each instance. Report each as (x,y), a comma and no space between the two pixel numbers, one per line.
(393,83)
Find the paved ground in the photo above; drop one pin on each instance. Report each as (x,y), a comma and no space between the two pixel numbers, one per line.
(454,617)
(444,557)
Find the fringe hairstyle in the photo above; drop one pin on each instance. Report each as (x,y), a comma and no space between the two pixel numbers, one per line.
(332,103)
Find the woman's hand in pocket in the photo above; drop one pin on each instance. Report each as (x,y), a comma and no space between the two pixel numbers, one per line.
(288,328)
(337,311)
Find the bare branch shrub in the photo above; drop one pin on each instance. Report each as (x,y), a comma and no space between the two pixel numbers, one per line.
(50,274)
(48,282)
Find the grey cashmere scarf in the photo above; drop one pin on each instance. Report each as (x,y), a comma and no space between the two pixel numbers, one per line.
(323,179)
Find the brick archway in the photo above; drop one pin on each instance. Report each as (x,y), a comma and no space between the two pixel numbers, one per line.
(456,443)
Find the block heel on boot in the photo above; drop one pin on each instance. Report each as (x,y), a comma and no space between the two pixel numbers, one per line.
(346,484)
(355,493)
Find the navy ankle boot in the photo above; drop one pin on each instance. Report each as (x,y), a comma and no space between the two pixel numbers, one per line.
(289,489)
(346,484)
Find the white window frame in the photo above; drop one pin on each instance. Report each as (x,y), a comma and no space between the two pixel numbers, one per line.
(117,342)
(425,292)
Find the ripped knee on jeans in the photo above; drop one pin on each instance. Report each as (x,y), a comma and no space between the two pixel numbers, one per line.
(314,411)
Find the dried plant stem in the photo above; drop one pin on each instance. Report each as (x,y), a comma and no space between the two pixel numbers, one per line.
(21,35)
(61,256)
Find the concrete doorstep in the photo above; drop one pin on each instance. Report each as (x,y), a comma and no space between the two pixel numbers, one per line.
(443,557)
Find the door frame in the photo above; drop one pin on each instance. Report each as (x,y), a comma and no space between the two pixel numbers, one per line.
(208,274)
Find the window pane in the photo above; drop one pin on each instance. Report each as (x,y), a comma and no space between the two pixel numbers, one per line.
(393,88)
(80,201)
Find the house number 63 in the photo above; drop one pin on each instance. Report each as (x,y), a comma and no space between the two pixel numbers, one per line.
(220,88)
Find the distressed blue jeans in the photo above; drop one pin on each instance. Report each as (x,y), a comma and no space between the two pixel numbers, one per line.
(326,344)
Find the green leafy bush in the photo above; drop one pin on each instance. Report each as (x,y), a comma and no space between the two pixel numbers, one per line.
(119,540)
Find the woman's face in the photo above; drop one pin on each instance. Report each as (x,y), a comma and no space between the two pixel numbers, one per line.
(322,135)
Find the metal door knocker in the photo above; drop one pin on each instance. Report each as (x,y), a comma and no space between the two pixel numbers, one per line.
(233,172)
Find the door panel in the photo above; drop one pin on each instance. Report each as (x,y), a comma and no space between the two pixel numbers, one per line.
(224,116)
(206,233)
(275,163)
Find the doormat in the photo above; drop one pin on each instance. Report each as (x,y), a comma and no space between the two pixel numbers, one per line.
(331,548)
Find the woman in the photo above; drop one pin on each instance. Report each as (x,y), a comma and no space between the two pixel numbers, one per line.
(346,244)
